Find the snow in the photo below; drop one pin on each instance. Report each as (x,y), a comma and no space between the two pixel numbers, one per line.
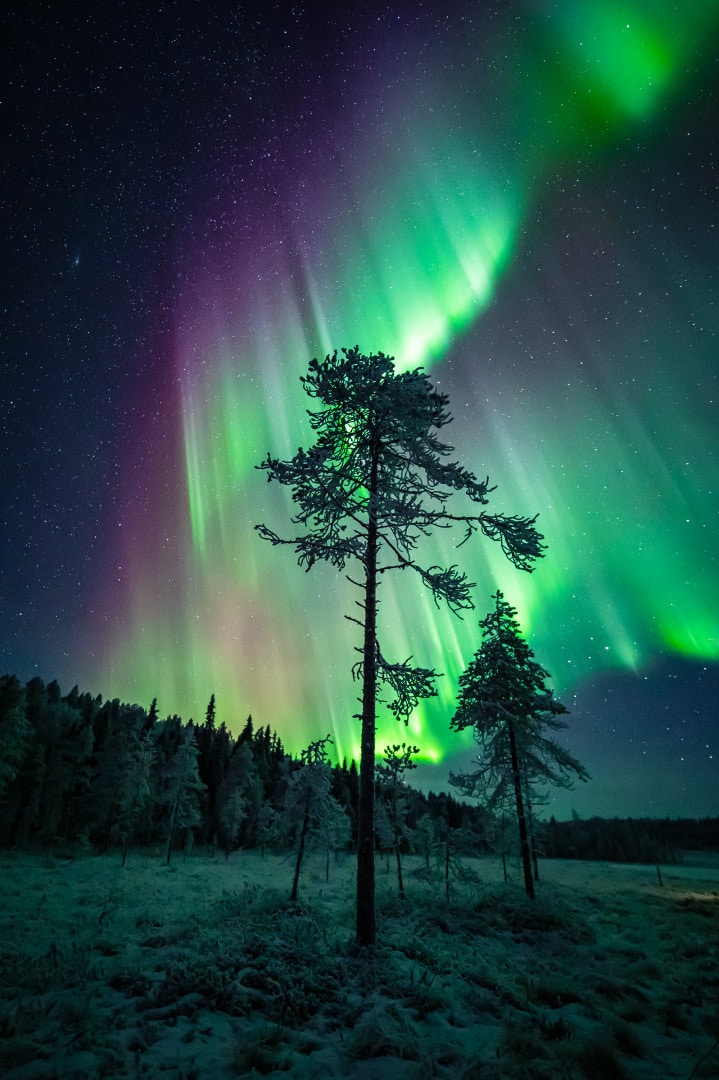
(204,969)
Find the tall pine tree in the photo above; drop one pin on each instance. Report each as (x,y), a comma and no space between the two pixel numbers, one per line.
(376,481)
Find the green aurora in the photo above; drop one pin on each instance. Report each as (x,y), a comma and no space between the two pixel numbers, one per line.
(415,232)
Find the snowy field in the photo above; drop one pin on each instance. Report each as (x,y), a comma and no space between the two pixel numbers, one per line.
(203,969)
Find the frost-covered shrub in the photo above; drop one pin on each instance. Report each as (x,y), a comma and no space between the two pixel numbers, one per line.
(383,1032)
(522,1041)
(261,1053)
(628,1039)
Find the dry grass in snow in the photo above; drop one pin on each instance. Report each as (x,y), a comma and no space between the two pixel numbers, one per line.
(205,970)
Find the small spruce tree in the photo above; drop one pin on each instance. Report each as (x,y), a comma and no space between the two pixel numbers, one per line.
(504,698)
(397,761)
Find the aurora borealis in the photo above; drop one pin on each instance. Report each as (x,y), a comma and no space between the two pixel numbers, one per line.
(522,198)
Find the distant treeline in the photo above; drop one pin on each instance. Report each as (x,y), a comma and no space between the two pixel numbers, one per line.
(77,770)
(629,839)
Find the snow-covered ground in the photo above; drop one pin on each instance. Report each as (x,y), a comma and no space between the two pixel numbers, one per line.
(203,969)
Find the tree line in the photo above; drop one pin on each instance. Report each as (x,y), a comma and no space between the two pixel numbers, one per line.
(640,840)
(78,771)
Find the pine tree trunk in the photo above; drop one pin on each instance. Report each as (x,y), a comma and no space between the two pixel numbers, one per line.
(397,842)
(532,841)
(109,821)
(366,917)
(535,862)
(399,867)
(128,831)
(521,819)
(446,869)
(173,818)
(22,823)
(504,849)
(300,854)
(20,811)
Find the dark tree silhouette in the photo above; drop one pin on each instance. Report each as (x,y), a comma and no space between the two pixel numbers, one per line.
(183,787)
(375,482)
(309,800)
(397,761)
(237,794)
(14,730)
(118,776)
(138,792)
(504,697)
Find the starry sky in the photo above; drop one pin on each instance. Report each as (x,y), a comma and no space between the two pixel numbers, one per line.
(522,198)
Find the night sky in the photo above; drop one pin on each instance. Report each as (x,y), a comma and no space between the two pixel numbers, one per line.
(521,197)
